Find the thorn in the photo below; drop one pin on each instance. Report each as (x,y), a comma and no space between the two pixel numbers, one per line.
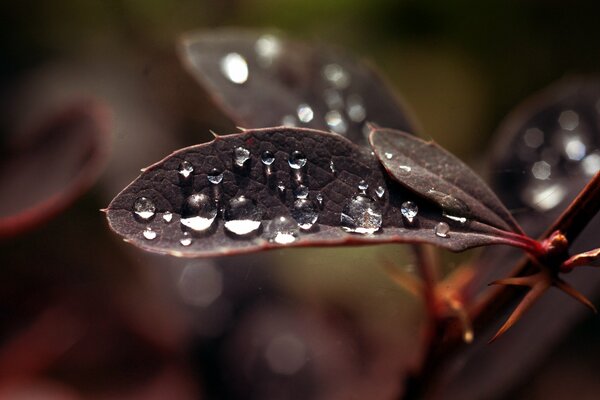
(589,258)
(574,293)
(241,129)
(536,291)
(104,210)
(215,135)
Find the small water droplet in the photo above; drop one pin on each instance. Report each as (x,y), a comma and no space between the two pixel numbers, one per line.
(168,216)
(281,188)
(449,203)
(355,108)
(267,48)
(336,122)
(541,170)
(240,156)
(297,160)
(215,176)
(301,192)
(320,200)
(267,158)
(289,121)
(149,234)
(388,155)
(282,230)
(332,167)
(199,212)
(185,169)
(363,185)
(186,240)
(461,220)
(409,210)
(305,213)
(336,75)
(235,68)
(568,120)
(144,208)
(242,216)
(405,169)
(442,229)
(305,113)
(380,191)
(361,215)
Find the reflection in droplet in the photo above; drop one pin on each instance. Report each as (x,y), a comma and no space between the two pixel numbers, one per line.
(380,191)
(568,120)
(267,48)
(185,169)
(591,164)
(240,156)
(235,68)
(335,121)
(533,137)
(289,120)
(363,185)
(355,108)
(332,167)
(267,158)
(301,192)
(167,216)
(361,215)
(199,212)
(282,230)
(442,229)
(305,213)
(215,176)
(336,75)
(297,160)
(186,240)
(286,354)
(320,200)
(242,216)
(541,170)
(575,149)
(149,234)
(144,208)
(409,210)
(544,196)
(200,284)
(305,113)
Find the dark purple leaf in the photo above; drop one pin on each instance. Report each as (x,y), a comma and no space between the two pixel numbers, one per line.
(437,175)
(357,196)
(263,80)
(43,171)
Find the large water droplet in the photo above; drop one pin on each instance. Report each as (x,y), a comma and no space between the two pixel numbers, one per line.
(186,240)
(301,192)
(335,121)
(240,156)
(409,211)
(282,230)
(149,234)
(442,229)
(199,212)
(167,216)
(185,169)
(361,215)
(355,108)
(305,113)
(336,75)
(267,48)
(144,208)
(305,213)
(297,160)
(242,216)
(235,68)
(215,176)
(267,158)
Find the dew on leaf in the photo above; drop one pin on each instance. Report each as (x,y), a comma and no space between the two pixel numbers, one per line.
(320,200)
(297,160)
(240,156)
(305,213)
(242,216)
(215,176)
(409,211)
(301,192)
(185,169)
(363,185)
(144,208)
(167,216)
(149,234)
(380,191)
(186,240)
(267,158)
(361,215)
(442,229)
(199,212)
(281,230)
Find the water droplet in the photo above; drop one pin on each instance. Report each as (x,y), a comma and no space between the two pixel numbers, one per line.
(449,203)
(333,99)
(361,215)
(380,191)
(185,169)
(305,213)
(461,220)
(240,156)
(168,216)
(405,169)
(267,48)
(541,170)
(282,230)
(335,121)
(149,233)
(289,121)
(332,167)
(355,108)
(363,186)
(568,120)
(409,210)
(144,208)
(320,200)
(591,164)
(336,76)
(199,212)
(242,216)
(533,137)
(215,176)
(267,157)
(442,229)
(301,192)
(297,160)
(281,188)
(388,155)
(305,113)
(186,240)
(235,68)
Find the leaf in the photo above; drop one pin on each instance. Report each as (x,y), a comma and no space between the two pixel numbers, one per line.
(262,80)
(437,175)
(251,203)
(43,171)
